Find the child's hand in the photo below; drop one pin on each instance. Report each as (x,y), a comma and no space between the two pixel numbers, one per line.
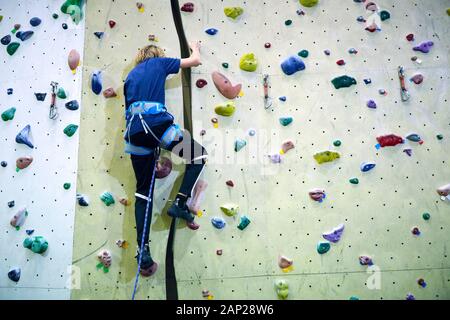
(195,46)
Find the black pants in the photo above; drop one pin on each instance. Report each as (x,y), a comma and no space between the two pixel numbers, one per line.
(188,149)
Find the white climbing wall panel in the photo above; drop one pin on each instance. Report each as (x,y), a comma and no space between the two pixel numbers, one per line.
(378,213)
(38,61)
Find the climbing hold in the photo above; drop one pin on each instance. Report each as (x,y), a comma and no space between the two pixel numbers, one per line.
(304,53)
(300,12)
(368,81)
(72,105)
(11,204)
(19,218)
(99,34)
(421,282)
(96,82)
(73,8)
(70,130)
(426,216)
(12,48)
(65,26)
(23,136)
(224,86)
(122,243)
(282,289)
(35,21)
(439,136)
(337,143)
(408,152)
(373,27)
(200,83)
(109,93)
(66,186)
(360,19)
(8,114)
(251,132)
(286,146)
(292,65)
(248,62)
(288,22)
(335,234)
(284,262)
(140,6)
(416,60)
(14,274)
(282,98)
(73,60)
(275,158)
(410,37)
(444,191)
(124,201)
(107,198)
(382,92)
(415,138)
(367,166)
(187,7)
(326,156)
(352,51)
(112,23)
(219,252)
(410,296)
(230,209)
(233,12)
(225,109)
(163,167)
(37,244)
(389,140)
(353,298)
(371,104)
(211,31)
(3,164)
(365,260)
(317,194)
(218,223)
(267,45)
(40,96)
(284,121)
(448,12)
(384,15)
(55,16)
(371,6)
(239,144)
(83,200)
(23,162)
(323,247)
(6,40)
(24,35)
(29,232)
(16,27)
(215,122)
(225,65)
(327,52)
(343,82)
(354,181)
(309,3)
(417,78)
(229,183)
(415,231)
(340,62)
(244,223)
(424,47)
(105,258)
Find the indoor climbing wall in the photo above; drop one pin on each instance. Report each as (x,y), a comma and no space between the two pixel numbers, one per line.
(45,36)
(382,210)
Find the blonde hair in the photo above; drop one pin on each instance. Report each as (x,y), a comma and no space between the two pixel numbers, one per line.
(150,51)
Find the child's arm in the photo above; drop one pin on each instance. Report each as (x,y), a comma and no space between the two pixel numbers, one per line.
(194,59)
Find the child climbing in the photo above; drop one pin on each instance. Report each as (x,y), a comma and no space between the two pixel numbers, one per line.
(149,128)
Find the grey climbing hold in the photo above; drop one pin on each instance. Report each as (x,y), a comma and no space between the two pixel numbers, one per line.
(23,136)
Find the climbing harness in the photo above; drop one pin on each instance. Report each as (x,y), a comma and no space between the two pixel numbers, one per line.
(267,99)
(404,93)
(53,114)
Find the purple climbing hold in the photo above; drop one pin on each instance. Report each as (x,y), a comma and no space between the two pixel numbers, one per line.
(96,82)
(24,35)
(292,64)
(371,104)
(365,260)
(410,296)
(424,46)
(417,78)
(335,234)
(6,40)
(211,31)
(23,136)
(275,158)
(35,21)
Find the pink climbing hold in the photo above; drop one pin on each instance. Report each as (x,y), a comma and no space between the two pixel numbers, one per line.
(417,78)
(109,93)
(224,86)
(187,7)
(371,6)
(410,37)
(286,146)
(73,60)
(317,194)
(284,262)
(200,83)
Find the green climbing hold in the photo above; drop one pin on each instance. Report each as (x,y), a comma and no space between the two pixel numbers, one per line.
(55,16)
(225,109)
(239,144)
(343,82)
(304,53)
(244,223)
(37,244)
(309,3)
(1,18)
(66,185)
(337,143)
(282,289)
(230,209)
(354,298)
(107,198)
(288,22)
(248,62)
(326,156)
(73,8)
(233,12)
(323,247)
(225,65)
(354,181)
(70,130)
(61,93)
(384,15)
(285,121)
(440,137)
(426,216)
(12,48)
(8,114)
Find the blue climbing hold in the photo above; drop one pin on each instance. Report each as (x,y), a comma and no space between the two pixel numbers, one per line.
(96,82)
(6,40)
(35,21)
(40,96)
(24,35)
(367,166)
(284,121)
(211,31)
(292,64)
(14,274)
(282,98)
(24,136)
(29,232)
(72,105)
(99,34)
(218,223)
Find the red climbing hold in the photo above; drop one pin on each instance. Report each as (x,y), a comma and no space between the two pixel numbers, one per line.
(340,62)
(389,140)
(200,83)
(230,183)
(112,23)
(187,7)
(410,37)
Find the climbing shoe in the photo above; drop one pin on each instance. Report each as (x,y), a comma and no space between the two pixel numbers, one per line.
(148,266)
(180,211)
(192,225)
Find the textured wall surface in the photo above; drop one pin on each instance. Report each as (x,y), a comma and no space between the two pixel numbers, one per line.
(378,213)
(37,62)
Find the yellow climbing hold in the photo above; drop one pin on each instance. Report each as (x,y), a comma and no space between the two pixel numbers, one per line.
(448,11)
(230,209)
(225,109)
(248,62)
(309,3)
(233,12)
(241,94)
(326,156)
(288,269)
(199,213)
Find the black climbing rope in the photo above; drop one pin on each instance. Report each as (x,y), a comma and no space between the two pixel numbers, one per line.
(171,279)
